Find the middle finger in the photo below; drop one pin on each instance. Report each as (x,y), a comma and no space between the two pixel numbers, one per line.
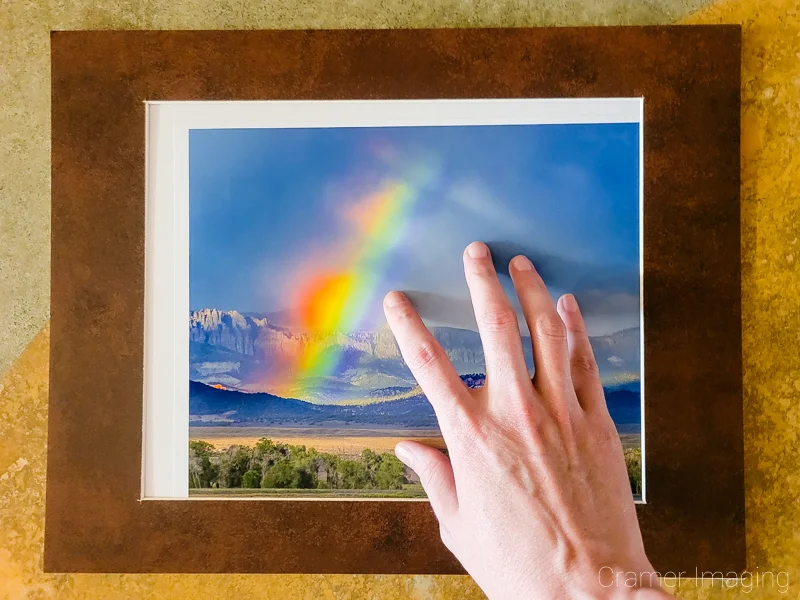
(548,334)
(497,320)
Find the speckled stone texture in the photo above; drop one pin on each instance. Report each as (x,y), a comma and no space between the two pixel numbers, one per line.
(771,277)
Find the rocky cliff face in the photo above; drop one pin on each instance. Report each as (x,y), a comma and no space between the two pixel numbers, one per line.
(237,349)
(258,337)
(229,330)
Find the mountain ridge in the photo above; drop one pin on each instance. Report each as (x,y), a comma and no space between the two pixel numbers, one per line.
(209,406)
(243,350)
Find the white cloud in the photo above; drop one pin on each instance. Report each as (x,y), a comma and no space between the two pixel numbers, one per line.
(472,196)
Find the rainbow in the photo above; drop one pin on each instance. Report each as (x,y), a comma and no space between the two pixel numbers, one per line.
(332,303)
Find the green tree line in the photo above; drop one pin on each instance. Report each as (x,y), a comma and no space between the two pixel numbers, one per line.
(274,465)
(633,461)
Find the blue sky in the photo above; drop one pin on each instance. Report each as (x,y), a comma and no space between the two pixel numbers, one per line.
(262,201)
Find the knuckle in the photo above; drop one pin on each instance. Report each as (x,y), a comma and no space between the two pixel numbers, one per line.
(468,427)
(550,327)
(498,318)
(522,413)
(584,364)
(577,327)
(403,312)
(547,430)
(423,355)
(605,431)
(430,474)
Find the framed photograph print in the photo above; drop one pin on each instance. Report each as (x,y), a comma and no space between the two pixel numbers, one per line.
(301,215)
(223,238)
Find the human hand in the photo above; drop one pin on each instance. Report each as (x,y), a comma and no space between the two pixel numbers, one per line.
(534,499)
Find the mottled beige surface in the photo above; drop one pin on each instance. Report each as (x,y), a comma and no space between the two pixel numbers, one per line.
(771,281)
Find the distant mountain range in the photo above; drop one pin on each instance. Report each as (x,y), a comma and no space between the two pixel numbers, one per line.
(237,351)
(209,406)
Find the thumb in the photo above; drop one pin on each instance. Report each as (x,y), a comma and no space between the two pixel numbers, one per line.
(435,473)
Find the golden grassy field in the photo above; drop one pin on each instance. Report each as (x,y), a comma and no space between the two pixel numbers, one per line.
(631,440)
(343,442)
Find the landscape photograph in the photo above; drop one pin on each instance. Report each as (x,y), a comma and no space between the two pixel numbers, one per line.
(297,387)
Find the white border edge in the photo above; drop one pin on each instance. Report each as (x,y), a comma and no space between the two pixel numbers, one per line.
(641,303)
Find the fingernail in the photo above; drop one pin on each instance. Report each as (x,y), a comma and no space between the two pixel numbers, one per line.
(568,301)
(521,263)
(394,299)
(478,250)
(404,453)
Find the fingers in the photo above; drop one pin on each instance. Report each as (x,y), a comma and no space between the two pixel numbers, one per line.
(548,335)
(435,473)
(583,367)
(425,357)
(497,320)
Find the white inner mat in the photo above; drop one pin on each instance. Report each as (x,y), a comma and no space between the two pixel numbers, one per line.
(166,361)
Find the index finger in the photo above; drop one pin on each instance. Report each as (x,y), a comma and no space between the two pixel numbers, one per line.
(425,357)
